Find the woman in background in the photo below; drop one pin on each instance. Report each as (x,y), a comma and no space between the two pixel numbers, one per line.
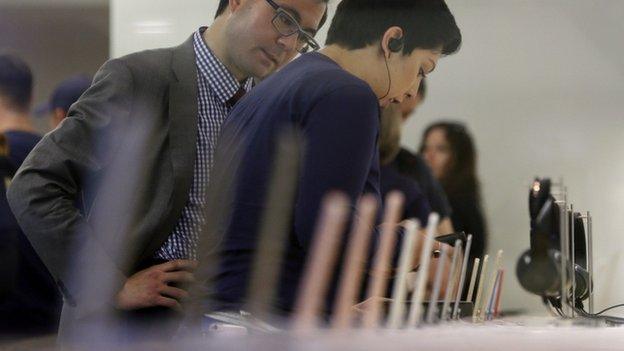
(448,149)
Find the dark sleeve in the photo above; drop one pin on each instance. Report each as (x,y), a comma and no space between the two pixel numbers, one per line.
(416,203)
(468,216)
(47,186)
(432,189)
(341,131)
(418,207)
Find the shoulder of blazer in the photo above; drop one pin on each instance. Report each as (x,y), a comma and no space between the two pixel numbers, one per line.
(162,64)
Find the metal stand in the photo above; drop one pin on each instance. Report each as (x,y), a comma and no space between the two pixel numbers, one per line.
(564,232)
(590,260)
(568,254)
(572,252)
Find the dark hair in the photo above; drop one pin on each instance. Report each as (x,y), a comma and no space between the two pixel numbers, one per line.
(390,133)
(223,4)
(422,89)
(460,176)
(427,24)
(16,82)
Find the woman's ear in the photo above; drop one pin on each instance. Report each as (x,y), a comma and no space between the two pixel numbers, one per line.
(391,42)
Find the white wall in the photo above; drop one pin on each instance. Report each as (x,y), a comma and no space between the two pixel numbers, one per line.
(146,24)
(540,84)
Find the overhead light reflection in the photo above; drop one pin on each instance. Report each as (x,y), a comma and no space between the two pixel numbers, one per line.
(153,27)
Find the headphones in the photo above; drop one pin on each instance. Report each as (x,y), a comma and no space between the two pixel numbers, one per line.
(539,268)
(396,44)
(540,274)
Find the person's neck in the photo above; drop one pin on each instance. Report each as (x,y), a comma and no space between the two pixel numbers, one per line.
(362,63)
(214,37)
(15,121)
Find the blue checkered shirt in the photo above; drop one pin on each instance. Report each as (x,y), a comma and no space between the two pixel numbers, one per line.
(216,85)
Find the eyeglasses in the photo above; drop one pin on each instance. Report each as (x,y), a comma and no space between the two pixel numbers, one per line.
(286,26)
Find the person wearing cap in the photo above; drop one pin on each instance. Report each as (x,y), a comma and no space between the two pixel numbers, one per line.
(65,94)
(29,300)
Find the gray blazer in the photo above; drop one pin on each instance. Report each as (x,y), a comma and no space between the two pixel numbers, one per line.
(49,194)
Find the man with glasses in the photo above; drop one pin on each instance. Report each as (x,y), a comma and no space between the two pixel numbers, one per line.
(261,40)
(287,25)
(186,93)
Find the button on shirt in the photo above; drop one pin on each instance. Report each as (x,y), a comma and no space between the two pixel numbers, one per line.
(216,87)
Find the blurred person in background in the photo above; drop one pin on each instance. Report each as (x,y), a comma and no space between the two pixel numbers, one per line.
(412,165)
(390,178)
(63,96)
(449,150)
(404,171)
(29,301)
(186,93)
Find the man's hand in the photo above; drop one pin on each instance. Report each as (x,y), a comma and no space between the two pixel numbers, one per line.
(150,287)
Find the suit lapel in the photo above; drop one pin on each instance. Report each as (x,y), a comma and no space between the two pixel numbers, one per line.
(182,137)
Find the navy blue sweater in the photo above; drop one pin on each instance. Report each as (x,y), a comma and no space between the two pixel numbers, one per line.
(338,116)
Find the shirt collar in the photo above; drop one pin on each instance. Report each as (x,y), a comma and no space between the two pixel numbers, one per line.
(222,81)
